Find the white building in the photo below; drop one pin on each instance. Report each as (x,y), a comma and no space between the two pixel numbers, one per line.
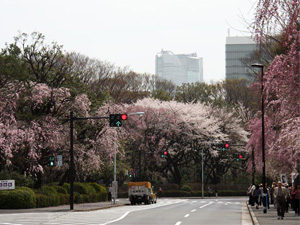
(181,68)
(238,50)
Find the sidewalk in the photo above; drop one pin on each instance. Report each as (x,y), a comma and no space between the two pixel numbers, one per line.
(261,218)
(65,208)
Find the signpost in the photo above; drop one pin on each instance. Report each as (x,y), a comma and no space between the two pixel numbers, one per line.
(59,160)
(7,184)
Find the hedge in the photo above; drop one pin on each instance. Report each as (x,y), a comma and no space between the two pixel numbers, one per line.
(20,198)
(51,195)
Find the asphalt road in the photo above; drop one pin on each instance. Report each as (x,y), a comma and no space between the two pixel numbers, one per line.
(225,211)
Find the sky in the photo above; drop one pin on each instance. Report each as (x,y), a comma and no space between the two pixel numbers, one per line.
(131,32)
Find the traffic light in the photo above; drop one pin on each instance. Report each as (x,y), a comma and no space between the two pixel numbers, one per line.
(51,161)
(225,146)
(115,120)
(132,172)
(239,157)
(163,154)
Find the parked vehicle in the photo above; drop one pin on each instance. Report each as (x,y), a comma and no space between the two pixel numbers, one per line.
(139,192)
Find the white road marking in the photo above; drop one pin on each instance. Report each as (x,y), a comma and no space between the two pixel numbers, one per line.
(149,207)
(122,217)
(187,215)
(205,205)
(178,223)
(194,210)
(220,202)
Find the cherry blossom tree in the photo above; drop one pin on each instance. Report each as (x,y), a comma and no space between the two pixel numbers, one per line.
(282,92)
(182,130)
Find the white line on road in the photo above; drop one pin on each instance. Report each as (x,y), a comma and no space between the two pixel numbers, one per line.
(122,217)
(178,223)
(205,205)
(194,210)
(187,215)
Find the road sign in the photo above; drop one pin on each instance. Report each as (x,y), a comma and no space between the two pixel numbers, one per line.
(7,184)
(59,160)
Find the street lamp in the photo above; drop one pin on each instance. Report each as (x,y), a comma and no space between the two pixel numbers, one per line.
(257,65)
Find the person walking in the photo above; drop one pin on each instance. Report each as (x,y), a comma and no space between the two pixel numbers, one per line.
(160,192)
(272,191)
(268,196)
(209,191)
(109,193)
(257,194)
(296,195)
(216,192)
(280,194)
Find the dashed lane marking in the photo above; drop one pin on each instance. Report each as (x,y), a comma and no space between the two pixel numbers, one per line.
(178,223)
(194,210)
(187,215)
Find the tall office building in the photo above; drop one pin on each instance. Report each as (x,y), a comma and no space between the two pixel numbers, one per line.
(180,68)
(238,50)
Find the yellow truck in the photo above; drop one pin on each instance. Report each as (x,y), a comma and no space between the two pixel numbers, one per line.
(139,192)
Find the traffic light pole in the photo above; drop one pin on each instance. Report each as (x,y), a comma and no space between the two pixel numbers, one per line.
(72,171)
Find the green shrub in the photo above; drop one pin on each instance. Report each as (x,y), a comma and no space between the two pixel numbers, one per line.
(20,198)
(64,199)
(186,188)
(60,189)
(80,188)
(67,187)
(168,187)
(50,193)
(78,198)
(176,194)
(90,188)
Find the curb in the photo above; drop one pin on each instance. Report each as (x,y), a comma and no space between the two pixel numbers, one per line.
(252,215)
(99,208)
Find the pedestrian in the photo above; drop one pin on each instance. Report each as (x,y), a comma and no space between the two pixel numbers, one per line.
(280,194)
(109,192)
(249,193)
(260,199)
(293,195)
(209,191)
(272,191)
(288,198)
(160,192)
(216,192)
(268,196)
(296,193)
(256,194)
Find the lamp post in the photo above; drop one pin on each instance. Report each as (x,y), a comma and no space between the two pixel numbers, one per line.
(262,132)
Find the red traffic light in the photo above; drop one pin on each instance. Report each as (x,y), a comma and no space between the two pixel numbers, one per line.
(226,145)
(124,116)
(165,153)
(240,156)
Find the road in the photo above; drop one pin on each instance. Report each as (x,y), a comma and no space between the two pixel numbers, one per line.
(225,211)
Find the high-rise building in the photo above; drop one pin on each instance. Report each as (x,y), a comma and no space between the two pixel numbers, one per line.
(238,52)
(179,68)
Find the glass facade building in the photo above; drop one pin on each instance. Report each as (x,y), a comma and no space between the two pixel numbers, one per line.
(181,68)
(238,50)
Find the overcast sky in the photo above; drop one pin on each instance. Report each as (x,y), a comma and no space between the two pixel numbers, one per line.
(131,32)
